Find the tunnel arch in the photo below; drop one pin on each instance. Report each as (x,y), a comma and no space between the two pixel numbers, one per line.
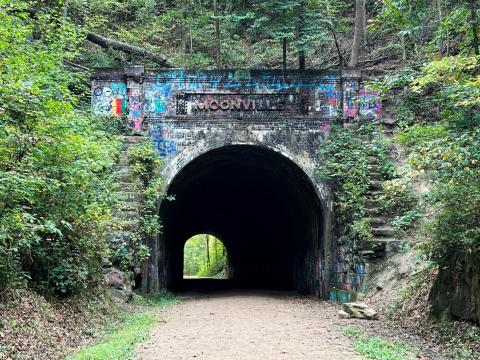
(276,239)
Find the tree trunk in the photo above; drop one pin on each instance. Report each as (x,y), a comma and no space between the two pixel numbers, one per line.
(474,19)
(284,58)
(130,49)
(404,47)
(215,242)
(217,34)
(183,27)
(301,26)
(207,238)
(440,19)
(358,32)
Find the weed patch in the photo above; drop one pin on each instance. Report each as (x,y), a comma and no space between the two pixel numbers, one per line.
(375,348)
(119,342)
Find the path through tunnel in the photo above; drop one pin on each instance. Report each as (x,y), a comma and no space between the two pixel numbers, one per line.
(263,207)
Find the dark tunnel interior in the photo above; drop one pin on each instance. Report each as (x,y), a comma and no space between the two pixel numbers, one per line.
(262,206)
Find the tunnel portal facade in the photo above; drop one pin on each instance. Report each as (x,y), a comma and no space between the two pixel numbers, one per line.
(240,153)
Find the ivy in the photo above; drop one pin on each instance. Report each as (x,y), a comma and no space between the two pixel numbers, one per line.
(147,165)
(344,164)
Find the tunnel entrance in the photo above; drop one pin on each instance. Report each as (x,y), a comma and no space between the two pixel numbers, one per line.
(261,204)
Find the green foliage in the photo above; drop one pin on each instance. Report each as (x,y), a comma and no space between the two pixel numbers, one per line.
(146,164)
(120,343)
(375,348)
(161,299)
(397,197)
(451,160)
(446,152)
(55,163)
(205,256)
(344,163)
(119,340)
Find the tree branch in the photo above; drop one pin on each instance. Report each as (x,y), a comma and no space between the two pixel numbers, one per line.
(110,43)
(337,46)
(131,49)
(74,65)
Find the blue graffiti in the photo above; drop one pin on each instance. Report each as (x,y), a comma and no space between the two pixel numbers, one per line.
(165,147)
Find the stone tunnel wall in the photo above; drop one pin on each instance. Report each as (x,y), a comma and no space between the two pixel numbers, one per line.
(190,112)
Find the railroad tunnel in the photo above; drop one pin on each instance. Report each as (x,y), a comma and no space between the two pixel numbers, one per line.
(261,204)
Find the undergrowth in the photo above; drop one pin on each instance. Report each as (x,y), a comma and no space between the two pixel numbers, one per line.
(120,340)
(375,348)
(120,343)
(160,299)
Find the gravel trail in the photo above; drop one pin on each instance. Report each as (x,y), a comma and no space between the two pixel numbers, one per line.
(245,325)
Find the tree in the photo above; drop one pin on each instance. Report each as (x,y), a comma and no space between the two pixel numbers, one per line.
(217,34)
(358,33)
(474,22)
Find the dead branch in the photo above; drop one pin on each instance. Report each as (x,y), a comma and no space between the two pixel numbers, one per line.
(131,49)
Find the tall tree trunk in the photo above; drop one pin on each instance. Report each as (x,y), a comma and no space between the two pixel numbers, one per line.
(358,33)
(217,34)
(301,60)
(404,47)
(183,27)
(474,21)
(207,238)
(301,27)
(284,57)
(64,23)
(215,242)
(440,19)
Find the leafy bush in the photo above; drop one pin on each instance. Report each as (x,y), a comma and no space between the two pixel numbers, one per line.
(447,152)
(134,250)
(344,163)
(55,164)
(397,197)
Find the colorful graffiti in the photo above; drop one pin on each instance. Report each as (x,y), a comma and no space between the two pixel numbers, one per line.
(346,280)
(109,99)
(370,104)
(358,101)
(258,94)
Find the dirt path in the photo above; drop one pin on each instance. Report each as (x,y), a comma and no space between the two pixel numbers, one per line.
(247,325)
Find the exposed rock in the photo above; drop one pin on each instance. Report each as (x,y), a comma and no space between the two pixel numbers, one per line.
(115,278)
(456,291)
(360,311)
(343,315)
(118,284)
(122,295)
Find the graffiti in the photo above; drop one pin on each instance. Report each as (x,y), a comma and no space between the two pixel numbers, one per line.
(109,100)
(224,104)
(135,108)
(350,97)
(370,104)
(346,280)
(162,136)
(255,94)
(241,102)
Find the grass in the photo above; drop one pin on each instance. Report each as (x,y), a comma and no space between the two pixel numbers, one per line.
(161,299)
(119,342)
(375,348)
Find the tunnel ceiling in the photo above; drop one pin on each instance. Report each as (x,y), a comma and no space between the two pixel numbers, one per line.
(262,206)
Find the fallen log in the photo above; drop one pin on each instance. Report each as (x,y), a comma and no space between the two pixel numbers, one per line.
(131,49)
